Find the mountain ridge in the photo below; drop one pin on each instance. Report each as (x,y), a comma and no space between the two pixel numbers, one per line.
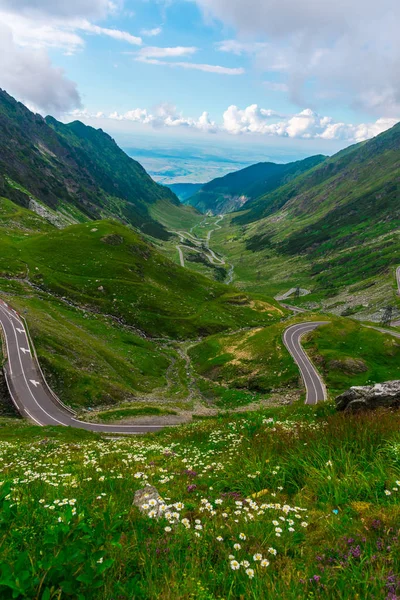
(73,169)
(235,190)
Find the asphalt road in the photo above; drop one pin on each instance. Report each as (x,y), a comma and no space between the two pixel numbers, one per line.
(30,393)
(316,391)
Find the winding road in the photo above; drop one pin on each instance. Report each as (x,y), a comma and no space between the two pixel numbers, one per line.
(28,388)
(35,400)
(315,387)
(206,250)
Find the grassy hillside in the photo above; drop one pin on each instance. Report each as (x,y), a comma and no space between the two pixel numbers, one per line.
(73,170)
(333,230)
(289,504)
(256,360)
(231,192)
(346,206)
(97,298)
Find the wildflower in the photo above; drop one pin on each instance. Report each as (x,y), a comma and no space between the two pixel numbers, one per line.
(304,524)
(100,560)
(198,526)
(220,539)
(257,556)
(245,564)
(329,463)
(250,573)
(235,565)
(237,546)
(218,501)
(167,529)
(152,502)
(388,492)
(272,551)
(242,536)
(264,562)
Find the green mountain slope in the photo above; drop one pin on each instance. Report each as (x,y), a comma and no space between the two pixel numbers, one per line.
(231,192)
(72,173)
(107,311)
(332,229)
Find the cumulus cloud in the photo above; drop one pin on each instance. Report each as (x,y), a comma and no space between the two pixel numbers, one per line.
(251,120)
(349,49)
(165,115)
(31,77)
(307,124)
(32,26)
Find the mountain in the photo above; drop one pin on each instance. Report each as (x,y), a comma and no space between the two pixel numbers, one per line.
(72,173)
(231,192)
(184,191)
(341,219)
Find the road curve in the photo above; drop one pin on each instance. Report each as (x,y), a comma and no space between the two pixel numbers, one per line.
(29,391)
(316,391)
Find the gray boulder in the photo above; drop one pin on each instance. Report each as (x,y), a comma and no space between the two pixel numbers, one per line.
(149,501)
(368,397)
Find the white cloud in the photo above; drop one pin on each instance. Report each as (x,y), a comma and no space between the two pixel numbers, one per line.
(253,120)
(116,34)
(164,115)
(150,52)
(59,24)
(350,49)
(60,8)
(193,66)
(151,32)
(31,77)
(305,125)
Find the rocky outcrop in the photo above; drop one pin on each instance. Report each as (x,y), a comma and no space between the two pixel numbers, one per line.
(149,501)
(385,395)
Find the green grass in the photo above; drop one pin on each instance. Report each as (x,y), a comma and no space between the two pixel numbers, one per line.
(109,268)
(256,361)
(132,411)
(348,354)
(112,276)
(69,528)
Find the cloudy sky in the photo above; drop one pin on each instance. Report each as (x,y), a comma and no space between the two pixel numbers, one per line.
(321,72)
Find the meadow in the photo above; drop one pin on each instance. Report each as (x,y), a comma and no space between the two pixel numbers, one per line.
(290,503)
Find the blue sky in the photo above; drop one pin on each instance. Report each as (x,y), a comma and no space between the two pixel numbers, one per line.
(290,76)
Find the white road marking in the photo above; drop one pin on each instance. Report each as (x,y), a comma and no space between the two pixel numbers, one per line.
(25,350)
(32,417)
(26,381)
(20,330)
(35,383)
